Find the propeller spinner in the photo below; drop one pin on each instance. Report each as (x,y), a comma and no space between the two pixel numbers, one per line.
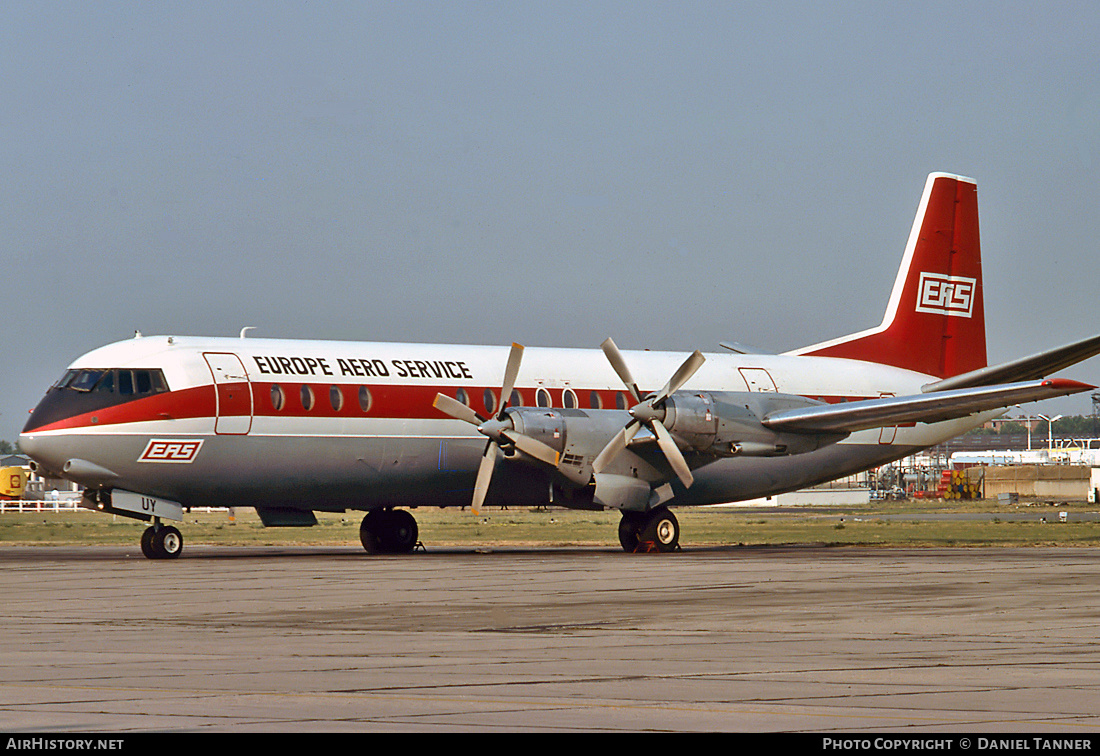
(648,413)
(499,429)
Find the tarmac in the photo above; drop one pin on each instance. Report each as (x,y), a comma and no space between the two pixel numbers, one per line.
(819,640)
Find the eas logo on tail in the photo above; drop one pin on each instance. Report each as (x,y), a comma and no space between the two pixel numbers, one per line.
(946,295)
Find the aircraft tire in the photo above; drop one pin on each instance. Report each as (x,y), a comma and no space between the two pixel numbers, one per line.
(147,543)
(370,531)
(400,532)
(628,532)
(662,529)
(167,543)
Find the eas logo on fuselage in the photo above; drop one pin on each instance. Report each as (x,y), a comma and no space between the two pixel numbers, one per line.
(946,295)
(164,450)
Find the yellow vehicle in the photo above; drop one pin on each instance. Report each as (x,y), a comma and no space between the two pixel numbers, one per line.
(13,480)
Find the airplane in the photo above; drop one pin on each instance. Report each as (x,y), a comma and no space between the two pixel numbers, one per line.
(153,425)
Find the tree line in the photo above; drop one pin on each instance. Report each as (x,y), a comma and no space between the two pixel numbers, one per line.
(1075,426)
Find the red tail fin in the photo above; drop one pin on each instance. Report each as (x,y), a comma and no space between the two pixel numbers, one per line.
(935,321)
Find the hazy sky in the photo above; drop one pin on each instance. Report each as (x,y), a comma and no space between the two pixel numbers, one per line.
(671,174)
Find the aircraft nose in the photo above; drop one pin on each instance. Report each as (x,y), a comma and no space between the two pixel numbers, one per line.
(29,444)
(40,449)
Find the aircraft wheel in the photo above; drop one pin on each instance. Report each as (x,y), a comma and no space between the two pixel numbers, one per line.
(167,543)
(400,532)
(628,532)
(147,543)
(662,529)
(370,531)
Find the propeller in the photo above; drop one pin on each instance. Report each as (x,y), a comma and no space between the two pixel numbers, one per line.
(648,413)
(499,429)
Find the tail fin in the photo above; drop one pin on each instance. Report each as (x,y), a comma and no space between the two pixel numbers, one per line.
(935,320)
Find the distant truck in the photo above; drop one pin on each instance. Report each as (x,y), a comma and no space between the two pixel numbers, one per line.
(1094,486)
(13,481)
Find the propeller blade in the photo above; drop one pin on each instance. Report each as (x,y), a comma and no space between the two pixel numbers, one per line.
(672,454)
(456,409)
(681,376)
(615,446)
(533,448)
(498,429)
(615,357)
(484,475)
(511,370)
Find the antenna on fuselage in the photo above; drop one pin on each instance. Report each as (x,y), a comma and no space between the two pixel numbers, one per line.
(246,329)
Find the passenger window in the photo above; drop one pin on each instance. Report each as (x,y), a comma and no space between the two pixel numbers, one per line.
(542,398)
(277,398)
(307,398)
(594,400)
(364,399)
(569,399)
(336,398)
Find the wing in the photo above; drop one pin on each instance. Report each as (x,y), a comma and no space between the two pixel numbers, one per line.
(923,408)
(1024,369)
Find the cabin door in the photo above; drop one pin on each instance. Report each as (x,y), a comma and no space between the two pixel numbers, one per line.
(233,391)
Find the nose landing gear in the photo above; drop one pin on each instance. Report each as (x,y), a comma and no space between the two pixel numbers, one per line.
(161,542)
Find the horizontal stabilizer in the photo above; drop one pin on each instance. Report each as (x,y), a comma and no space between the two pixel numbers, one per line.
(922,408)
(1024,369)
(739,348)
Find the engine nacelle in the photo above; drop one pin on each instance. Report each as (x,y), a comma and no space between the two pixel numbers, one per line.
(712,424)
(727,424)
(621,492)
(577,435)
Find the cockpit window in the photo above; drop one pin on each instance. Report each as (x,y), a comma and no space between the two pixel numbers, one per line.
(106,384)
(91,390)
(66,379)
(121,381)
(86,380)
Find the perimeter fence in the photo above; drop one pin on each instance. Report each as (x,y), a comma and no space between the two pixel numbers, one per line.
(67,505)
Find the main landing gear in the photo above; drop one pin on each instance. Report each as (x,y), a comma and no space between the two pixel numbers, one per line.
(161,542)
(656,530)
(388,531)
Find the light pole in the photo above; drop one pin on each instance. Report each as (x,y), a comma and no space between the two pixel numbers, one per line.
(1050,431)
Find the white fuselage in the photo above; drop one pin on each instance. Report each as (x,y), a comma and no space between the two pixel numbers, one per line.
(334,425)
